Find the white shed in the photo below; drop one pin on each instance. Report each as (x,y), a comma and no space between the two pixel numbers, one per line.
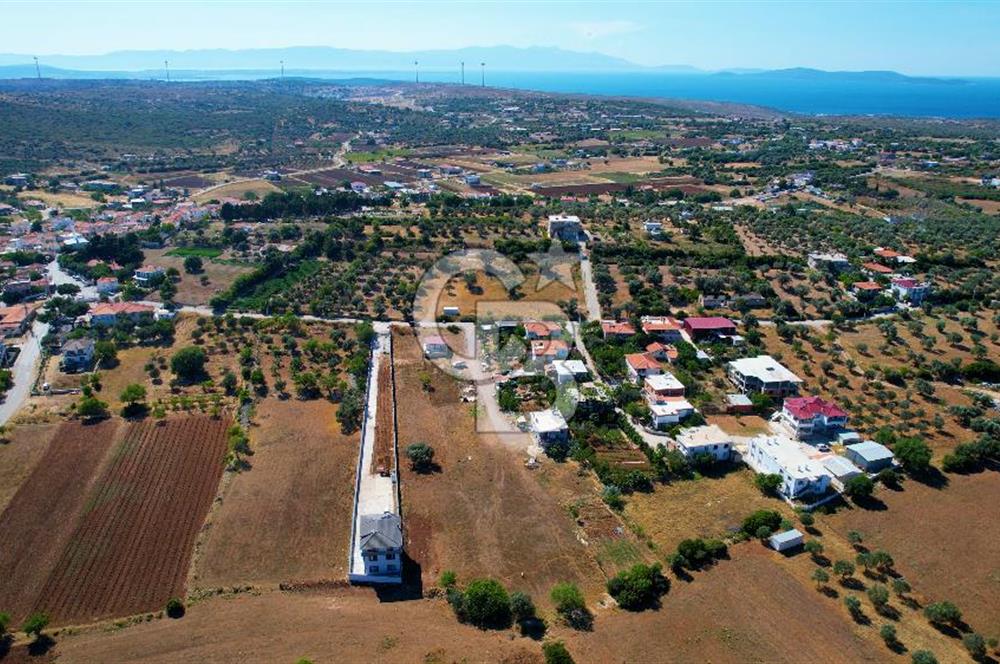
(786,540)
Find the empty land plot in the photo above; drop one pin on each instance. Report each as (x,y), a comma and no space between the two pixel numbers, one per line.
(27,444)
(943,541)
(385,429)
(288,518)
(41,517)
(195,289)
(704,507)
(259,188)
(131,550)
(484,513)
(746,609)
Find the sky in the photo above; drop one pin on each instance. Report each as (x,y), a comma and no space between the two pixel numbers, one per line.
(917,38)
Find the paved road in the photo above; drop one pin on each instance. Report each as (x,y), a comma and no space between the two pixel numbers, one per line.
(24,370)
(59,276)
(589,289)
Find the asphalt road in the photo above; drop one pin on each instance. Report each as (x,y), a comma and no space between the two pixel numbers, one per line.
(24,370)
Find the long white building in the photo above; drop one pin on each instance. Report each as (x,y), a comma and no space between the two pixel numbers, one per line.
(780,455)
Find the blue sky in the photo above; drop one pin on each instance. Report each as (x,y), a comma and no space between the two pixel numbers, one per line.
(936,38)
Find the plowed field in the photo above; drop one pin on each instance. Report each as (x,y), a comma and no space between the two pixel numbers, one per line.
(132,548)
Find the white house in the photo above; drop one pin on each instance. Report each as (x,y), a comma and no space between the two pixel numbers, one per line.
(809,416)
(662,387)
(549,427)
(565,227)
(106,314)
(652,228)
(77,354)
(780,455)
(148,274)
(566,371)
(709,439)
(911,290)
(666,328)
(435,346)
(832,262)
(641,365)
(381,541)
(670,411)
(547,350)
(763,374)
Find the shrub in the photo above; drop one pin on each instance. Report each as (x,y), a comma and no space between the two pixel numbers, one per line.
(923,657)
(975,644)
(555,653)
(843,568)
(888,634)
(768,483)
(486,604)
(448,579)
(521,606)
(175,607)
(879,596)
(853,605)
(421,456)
(35,624)
(752,524)
(695,553)
(639,587)
(571,606)
(913,454)
(91,408)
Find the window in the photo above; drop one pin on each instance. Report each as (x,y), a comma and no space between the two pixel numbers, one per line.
(390,568)
(390,556)
(373,569)
(373,557)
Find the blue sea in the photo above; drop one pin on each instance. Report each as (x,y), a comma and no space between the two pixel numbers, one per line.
(953,98)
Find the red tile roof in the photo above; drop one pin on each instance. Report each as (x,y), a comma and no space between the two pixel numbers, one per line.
(541,328)
(876,267)
(640,361)
(867,285)
(653,325)
(709,323)
(614,327)
(806,408)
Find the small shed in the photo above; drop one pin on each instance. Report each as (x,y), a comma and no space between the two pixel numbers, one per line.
(869,455)
(738,403)
(450,311)
(787,540)
(841,468)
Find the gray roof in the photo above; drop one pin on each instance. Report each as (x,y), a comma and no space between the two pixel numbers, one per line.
(871,451)
(792,535)
(78,344)
(381,531)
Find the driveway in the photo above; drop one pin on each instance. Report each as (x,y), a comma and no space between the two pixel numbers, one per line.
(589,289)
(24,371)
(59,276)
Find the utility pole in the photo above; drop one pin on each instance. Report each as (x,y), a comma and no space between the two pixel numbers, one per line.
(166,68)
(416,71)
(38,72)
(482,70)
(463,72)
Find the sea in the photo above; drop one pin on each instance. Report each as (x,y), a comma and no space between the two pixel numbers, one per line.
(819,95)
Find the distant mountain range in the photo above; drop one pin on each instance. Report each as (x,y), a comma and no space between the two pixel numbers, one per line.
(313,60)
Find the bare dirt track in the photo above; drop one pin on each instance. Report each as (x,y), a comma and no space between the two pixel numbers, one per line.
(131,551)
(42,515)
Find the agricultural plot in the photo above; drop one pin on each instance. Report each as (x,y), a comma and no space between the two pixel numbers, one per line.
(41,517)
(385,426)
(131,550)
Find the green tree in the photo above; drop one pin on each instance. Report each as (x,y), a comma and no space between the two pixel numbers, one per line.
(820,576)
(555,653)
(814,548)
(106,354)
(888,634)
(975,644)
(487,605)
(879,596)
(193,264)
(421,456)
(90,407)
(133,393)
(753,522)
(175,607)
(521,606)
(913,454)
(844,569)
(900,586)
(638,587)
(859,486)
(188,363)
(923,657)
(942,613)
(853,605)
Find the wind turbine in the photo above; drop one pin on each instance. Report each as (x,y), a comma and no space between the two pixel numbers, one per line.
(416,71)
(463,72)
(282,69)
(166,68)
(38,72)
(482,70)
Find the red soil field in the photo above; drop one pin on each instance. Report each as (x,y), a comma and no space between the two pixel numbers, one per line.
(132,549)
(42,515)
(384,424)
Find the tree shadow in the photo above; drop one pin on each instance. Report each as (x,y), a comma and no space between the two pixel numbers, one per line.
(897,647)
(911,603)
(830,592)
(870,503)
(821,560)
(852,584)
(931,477)
(683,575)
(948,630)
(888,611)
(41,645)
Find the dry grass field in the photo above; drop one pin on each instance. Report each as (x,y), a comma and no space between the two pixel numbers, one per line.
(18,457)
(943,541)
(236,190)
(287,518)
(197,289)
(456,293)
(60,199)
(484,513)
